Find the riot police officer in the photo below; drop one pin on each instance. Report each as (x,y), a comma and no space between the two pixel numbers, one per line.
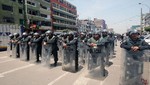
(52,40)
(37,41)
(24,43)
(82,47)
(134,55)
(96,50)
(70,53)
(15,42)
(105,39)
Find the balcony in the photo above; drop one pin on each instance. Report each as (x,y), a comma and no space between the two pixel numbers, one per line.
(36,17)
(45,11)
(63,18)
(64,25)
(62,11)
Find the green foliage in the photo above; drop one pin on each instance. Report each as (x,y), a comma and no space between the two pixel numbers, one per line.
(147,28)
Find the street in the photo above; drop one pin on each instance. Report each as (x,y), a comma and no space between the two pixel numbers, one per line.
(16,72)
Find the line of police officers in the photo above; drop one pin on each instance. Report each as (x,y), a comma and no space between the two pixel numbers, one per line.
(91,50)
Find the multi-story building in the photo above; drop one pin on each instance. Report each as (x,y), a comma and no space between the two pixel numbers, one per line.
(37,12)
(87,26)
(100,23)
(147,20)
(63,15)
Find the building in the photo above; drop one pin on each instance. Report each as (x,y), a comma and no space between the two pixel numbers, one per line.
(42,14)
(100,24)
(87,26)
(147,20)
(37,13)
(63,15)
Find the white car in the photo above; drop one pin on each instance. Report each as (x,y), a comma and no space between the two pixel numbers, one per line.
(147,39)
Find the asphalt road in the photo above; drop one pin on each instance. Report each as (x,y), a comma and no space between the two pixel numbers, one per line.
(16,72)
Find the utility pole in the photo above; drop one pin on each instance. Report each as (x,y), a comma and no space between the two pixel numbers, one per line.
(25,14)
(141,21)
(52,19)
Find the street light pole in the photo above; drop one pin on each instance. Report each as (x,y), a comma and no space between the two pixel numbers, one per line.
(142,15)
(145,6)
(25,14)
(141,21)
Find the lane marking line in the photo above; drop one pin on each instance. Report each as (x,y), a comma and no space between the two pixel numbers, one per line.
(54,81)
(16,69)
(7,61)
(4,57)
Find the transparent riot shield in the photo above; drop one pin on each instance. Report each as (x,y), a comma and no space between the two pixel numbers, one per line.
(135,68)
(95,65)
(9,49)
(82,48)
(111,50)
(46,55)
(60,52)
(107,54)
(23,51)
(14,50)
(69,59)
(32,57)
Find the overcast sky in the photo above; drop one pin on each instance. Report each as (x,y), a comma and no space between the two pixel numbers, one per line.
(118,14)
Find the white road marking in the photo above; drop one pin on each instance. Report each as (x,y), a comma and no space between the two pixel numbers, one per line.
(16,69)
(54,81)
(4,57)
(81,81)
(7,61)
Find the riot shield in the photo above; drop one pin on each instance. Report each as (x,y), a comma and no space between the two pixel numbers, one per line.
(135,68)
(23,51)
(32,57)
(111,50)
(82,48)
(95,67)
(107,54)
(60,52)
(69,59)
(9,49)
(14,50)
(46,55)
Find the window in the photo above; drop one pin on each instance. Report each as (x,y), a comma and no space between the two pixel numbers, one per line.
(47,1)
(45,23)
(8,19)
(32,12)
(6,7)
(44,15)
(42,6)
(31,3)
(21,11)
(54,5)
(20,1)
(61,1)
(13,0)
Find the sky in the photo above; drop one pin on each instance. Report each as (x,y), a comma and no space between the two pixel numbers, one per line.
(118,14)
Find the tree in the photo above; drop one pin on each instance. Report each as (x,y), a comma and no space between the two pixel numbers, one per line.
(147,28)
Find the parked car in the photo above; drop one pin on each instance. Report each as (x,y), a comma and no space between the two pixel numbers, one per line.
(147,39)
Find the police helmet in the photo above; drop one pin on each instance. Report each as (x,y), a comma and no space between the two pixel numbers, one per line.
(49,32)
(24,34)
(16,34)
(36,34)
(11,36)
(134,32)
(104,30)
